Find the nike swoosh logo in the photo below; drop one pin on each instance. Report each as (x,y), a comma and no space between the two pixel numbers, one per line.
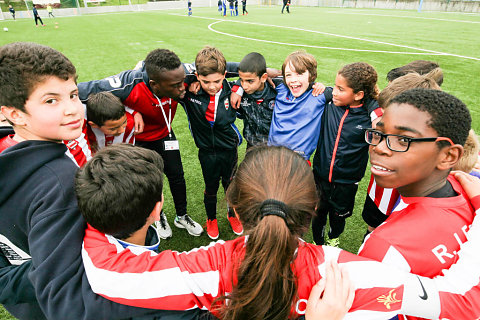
(425,295)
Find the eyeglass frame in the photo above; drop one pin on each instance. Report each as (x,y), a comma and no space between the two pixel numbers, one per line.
(408,139)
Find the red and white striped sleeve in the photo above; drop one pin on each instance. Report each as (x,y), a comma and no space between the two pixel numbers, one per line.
(128,135)
(384,198)
(79,149)
(139,277)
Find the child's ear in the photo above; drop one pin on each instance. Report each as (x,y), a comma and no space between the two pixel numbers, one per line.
(449,157)
(14,115)
(358,96)
(157,210)
(93,125)
(264,77)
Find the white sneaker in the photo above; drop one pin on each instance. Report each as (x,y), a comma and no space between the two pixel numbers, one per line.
(185,222)
(163,228)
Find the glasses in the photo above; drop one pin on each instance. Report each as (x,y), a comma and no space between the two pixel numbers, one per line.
(397,142)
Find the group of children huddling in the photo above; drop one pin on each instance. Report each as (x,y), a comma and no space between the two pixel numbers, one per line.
(80,243)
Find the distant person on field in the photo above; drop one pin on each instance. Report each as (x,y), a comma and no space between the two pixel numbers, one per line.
(224,6)
(236,7)
(12,11)
(379,201)
(220,7)
(231,7)
(107,121)
(244,7)
(189,3)
(50,11)
(341,154)
(286,4)
(36,16)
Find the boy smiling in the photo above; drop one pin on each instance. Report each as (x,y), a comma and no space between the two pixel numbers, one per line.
(413,148)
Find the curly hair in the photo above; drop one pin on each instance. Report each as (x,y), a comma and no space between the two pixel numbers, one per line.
(23,65)
(361,76)
(449,115)
(160,60)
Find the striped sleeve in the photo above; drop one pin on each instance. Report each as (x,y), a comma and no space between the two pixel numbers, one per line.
(128,135)
(182,281)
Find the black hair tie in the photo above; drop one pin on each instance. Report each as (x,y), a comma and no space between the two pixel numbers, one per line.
(273,207)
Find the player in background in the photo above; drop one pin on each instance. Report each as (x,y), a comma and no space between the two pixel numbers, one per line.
(50,10)
(189,4)
(244,7)
(36,16)
(107,121)
(286,4)
(12,11)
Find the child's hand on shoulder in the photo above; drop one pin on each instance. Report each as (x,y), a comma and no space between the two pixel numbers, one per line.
(318,89)
(194,87)
(332,296)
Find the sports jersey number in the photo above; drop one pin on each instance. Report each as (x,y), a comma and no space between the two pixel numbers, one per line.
(114,81)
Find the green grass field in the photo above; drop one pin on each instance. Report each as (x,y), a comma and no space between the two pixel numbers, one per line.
(103,45)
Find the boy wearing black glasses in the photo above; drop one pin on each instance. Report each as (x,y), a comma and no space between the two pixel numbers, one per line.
(413,149)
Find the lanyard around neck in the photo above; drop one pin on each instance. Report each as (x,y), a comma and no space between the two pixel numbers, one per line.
(169,120)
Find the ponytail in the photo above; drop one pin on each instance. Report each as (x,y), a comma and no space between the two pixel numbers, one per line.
(266,284)
(274,195)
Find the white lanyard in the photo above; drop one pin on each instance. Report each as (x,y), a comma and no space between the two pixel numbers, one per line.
(169,120)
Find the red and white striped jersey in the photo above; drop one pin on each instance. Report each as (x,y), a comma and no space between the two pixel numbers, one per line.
(384,198)
(79,149)
(99,140)
(185,280)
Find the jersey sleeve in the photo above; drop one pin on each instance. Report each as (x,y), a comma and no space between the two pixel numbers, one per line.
(374,110)
(121,85)
(380,249)
(168,280)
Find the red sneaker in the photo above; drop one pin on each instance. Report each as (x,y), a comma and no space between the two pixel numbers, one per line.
(236,225)
(212,229)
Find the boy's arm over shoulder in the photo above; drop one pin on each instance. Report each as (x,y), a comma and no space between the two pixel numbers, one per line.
(121,85)
(15,287)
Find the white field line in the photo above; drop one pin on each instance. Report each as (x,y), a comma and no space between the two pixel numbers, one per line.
(407,17)
(425,51)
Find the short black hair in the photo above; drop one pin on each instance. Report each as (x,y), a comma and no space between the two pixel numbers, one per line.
(23,65)
(160,60)
(253,62)
(419,66)
(449,115)
(118,188)
(104,106)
